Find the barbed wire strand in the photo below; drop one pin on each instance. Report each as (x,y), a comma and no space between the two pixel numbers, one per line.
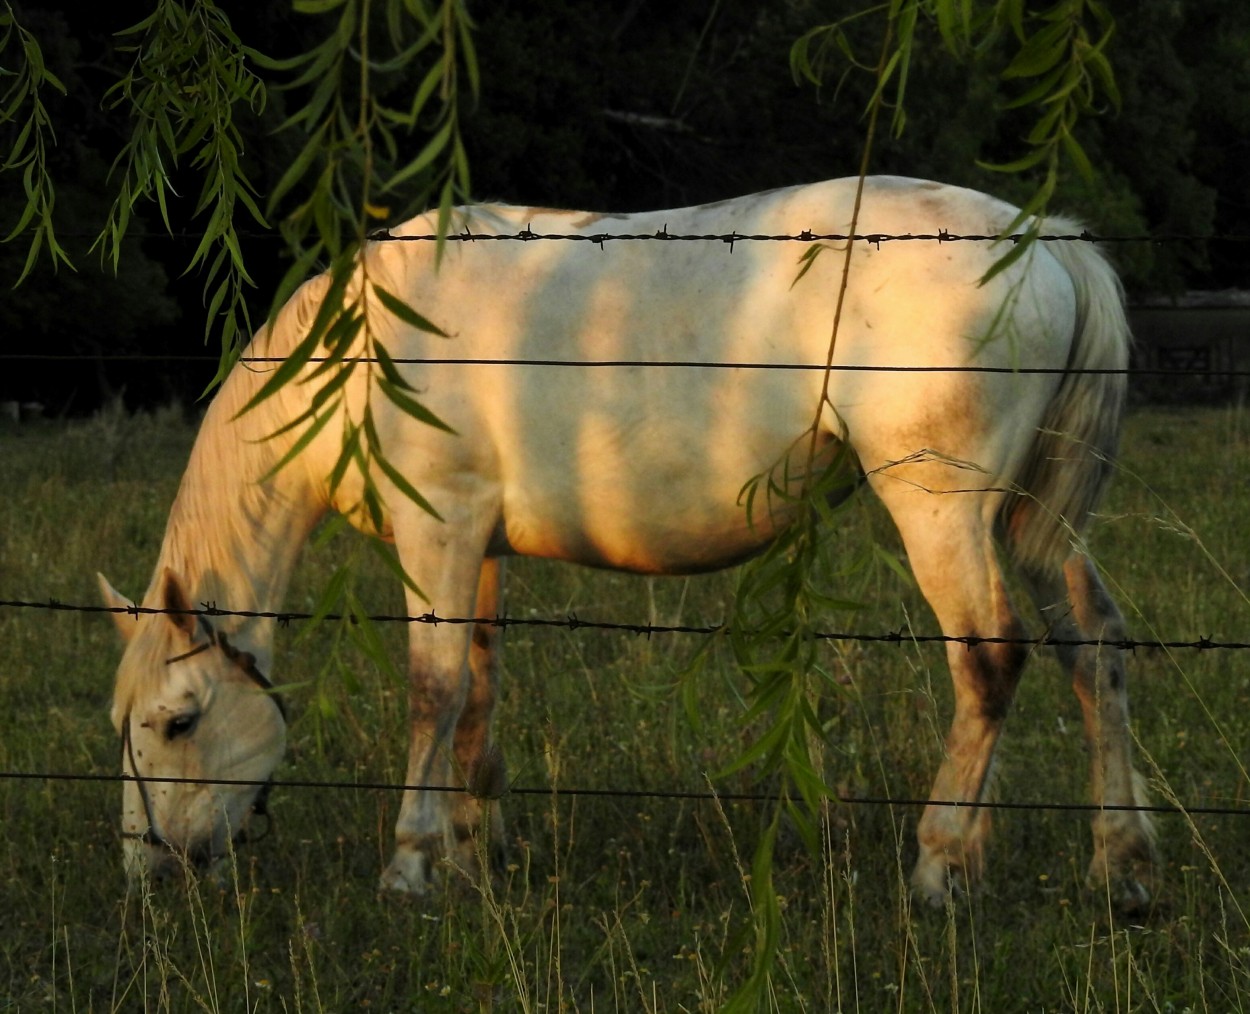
(730,239)
(572,622)
(805,236)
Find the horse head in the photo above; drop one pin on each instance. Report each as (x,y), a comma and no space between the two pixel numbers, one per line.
(201,733)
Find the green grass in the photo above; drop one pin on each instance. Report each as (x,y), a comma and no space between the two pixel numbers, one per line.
(626,903)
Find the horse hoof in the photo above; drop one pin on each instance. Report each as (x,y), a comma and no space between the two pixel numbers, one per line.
(1128,895)
(1134,899)
(406,875)
(1121,880)
(936,883)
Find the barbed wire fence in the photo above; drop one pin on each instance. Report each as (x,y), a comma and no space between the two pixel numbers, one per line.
(573,623)
(729,240)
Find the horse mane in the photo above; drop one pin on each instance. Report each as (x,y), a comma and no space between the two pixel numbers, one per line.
(221,540)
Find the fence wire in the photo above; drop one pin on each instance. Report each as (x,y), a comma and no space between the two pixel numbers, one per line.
(572,622)
(691,795)
(731,239)
(1129,371)
(804,236)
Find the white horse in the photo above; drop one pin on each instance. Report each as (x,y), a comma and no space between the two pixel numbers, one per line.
(640,468)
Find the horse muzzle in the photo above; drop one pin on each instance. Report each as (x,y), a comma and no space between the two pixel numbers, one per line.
(148,855)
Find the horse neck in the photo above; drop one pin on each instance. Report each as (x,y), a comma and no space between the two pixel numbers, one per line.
(235,530)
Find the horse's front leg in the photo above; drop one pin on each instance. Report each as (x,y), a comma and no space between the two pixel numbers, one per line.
(445,703)
(438,688)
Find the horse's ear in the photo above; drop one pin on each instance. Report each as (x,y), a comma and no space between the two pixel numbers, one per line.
(174,602)
(113,599)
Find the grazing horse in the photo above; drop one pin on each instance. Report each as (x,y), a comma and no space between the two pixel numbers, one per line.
(983,413)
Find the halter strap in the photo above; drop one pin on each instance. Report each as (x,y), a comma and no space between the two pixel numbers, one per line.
(148,835)
(243,660)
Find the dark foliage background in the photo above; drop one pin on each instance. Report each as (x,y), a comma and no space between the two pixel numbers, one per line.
(623,107)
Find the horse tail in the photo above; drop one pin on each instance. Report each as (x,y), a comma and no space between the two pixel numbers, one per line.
(1071,460)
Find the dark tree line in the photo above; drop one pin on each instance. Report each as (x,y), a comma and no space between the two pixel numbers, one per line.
(623,107)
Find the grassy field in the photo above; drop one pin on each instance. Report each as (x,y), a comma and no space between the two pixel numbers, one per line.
(626,902)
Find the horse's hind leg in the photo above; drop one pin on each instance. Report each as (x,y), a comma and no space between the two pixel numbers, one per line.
(951,552)
(1079,608)
(480,763)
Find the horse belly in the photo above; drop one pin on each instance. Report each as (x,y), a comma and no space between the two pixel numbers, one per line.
(690,538)
(664,502)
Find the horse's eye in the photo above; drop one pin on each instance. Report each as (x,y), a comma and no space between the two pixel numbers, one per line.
(181,725)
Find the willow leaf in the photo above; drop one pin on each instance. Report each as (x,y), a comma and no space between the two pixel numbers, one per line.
(317,6)
(766,918)
(287,369)
(1019,165)
(1039,92)
(425,158)
(314,148)
(292,424)
(332,308)
(390,372)
(1076,154)
(406,313)
(429,83)
(386,553)
(363,631)
(403,485)
(305,438)
(468,53)
(349,448)
(327,390)
(412,407)
(1043,51)
(326,603)
(294,277)
(1018,250)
